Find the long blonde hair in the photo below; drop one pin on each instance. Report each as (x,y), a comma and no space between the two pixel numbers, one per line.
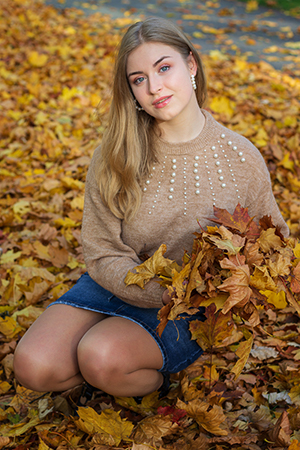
(127,149)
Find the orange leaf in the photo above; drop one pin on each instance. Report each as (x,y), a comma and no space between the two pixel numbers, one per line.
(237,285)
(295,283)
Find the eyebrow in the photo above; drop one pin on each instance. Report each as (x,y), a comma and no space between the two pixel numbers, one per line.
(154,65)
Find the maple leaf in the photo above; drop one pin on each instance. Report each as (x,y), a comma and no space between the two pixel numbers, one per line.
(151,268)
(239,221)
(237,285)
(151,430)
(209,419)
(226,244)
(212,332)
(108,423)
(279,265)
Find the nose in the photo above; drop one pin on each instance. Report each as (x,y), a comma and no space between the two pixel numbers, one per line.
(154,84)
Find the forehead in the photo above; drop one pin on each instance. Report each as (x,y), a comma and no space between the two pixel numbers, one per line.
(149,53)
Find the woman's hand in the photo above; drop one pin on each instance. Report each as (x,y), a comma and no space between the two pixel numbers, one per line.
(166,298)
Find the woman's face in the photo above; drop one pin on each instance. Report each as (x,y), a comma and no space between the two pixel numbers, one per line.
(160,79)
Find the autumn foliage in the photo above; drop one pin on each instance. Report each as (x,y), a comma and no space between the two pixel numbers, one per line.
(55,74)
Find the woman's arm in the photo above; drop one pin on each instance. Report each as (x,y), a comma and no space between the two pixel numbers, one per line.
(107,258)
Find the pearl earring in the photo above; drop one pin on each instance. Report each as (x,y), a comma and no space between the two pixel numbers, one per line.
(193,82)
(139,108)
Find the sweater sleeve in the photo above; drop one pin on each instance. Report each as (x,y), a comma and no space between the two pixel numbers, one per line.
(107,257)
(260,199)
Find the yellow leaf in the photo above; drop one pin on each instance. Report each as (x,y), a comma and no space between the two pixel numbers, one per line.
(21,207)
(295,45)
(286,162)
(223,105)
(66,222)
(9,257)
(70,31)
(36,59)
(198,34)
(108,423)
(40,118)
(43,446)
(149,269)
(72,183)
(9,327)
(78,202)
(4,387)
(252,5)
(276,299)
(296,250)
(243,352)
(262,280)
(20,428)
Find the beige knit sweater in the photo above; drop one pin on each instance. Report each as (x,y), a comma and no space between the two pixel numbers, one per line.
(218,167)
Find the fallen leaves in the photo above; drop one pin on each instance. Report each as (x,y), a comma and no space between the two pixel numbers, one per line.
(54,75)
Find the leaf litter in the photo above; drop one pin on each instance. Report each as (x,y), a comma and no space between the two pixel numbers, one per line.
(243,393)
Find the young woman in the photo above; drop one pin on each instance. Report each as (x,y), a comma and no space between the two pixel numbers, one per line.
(163,164)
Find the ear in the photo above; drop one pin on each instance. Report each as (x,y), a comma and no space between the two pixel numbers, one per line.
(192,64)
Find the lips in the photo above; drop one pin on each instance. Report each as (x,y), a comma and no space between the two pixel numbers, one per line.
(162,101)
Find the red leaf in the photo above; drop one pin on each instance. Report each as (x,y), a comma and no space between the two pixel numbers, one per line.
(239,221)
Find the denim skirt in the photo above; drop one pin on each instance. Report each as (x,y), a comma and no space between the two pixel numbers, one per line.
(177,348)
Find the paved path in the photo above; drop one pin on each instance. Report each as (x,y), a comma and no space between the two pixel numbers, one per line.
(224,25)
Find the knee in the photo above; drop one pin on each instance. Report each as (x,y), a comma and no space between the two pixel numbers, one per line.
(99,365)
(32,369)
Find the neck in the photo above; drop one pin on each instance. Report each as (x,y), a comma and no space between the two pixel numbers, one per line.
(183,129)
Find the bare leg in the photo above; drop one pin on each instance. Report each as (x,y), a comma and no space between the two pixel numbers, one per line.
(46,357)
(121,358)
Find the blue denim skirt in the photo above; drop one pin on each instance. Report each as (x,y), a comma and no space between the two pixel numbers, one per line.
(177,348)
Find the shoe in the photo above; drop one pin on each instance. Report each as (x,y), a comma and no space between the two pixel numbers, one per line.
(86,394)
(165,387)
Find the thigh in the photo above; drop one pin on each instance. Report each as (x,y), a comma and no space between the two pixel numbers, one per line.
(122,343)
(54,336)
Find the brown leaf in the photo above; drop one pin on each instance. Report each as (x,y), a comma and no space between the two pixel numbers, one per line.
(237,285)
(295,282)
(151,430)
(59,256)
(209,419)
(268,240)
(212,332)
(280,435)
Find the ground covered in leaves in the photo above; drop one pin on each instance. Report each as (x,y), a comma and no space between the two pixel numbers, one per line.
(55,68)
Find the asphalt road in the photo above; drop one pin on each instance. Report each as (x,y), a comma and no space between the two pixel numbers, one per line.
(224,26)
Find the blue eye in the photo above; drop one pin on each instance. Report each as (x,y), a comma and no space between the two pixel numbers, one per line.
(138,80)
(164,68)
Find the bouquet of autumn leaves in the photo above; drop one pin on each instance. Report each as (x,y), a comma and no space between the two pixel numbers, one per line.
(235,270)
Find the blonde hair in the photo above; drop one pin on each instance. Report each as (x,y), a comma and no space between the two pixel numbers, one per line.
(127,149)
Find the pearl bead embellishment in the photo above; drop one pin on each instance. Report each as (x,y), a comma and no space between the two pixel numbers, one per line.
(209,161)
